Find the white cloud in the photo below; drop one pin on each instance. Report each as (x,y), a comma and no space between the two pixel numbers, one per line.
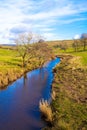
(19,29)
(77,36)
(43,16)
(51,36)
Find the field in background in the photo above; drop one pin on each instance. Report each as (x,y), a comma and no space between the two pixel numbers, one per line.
(70,50)
(9,57)
(54,43)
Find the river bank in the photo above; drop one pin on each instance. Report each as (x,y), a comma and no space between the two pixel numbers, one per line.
(70,85)
(13,66)
(12,74)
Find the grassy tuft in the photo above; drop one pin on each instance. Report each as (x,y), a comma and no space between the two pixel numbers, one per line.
(53,95)
(46,110)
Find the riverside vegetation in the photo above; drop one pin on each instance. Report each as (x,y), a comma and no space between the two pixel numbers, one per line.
(11,62)
(70,85)
(10,66)
(19,59)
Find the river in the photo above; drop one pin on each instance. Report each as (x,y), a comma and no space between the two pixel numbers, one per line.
(19,102)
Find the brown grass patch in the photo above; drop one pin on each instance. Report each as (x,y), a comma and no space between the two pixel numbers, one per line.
(46,110)
(53,95)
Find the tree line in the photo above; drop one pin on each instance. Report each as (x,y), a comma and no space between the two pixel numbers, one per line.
(77,44)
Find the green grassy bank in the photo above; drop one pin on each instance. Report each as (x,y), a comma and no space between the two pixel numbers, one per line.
(11,66)
(70,85)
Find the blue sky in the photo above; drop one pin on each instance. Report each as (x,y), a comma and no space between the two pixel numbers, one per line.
(53,19)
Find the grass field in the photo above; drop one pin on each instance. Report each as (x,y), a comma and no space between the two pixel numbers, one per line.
(70,50)
(11,66)
(54,43)
(9,58)
(82,54)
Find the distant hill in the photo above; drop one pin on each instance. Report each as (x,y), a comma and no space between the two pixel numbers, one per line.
(54,43)
(7,44)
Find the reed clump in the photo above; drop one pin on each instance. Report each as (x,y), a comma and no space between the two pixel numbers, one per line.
(46,110)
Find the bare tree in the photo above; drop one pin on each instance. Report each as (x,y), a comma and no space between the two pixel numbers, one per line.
(40,41)
(84,40)
(30,45)
(43,52)
(75,45)
(63,46)
(24,47)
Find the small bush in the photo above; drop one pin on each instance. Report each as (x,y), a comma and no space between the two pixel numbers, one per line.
(46,110)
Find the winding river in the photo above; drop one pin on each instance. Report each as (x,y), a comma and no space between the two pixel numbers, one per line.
(19,103)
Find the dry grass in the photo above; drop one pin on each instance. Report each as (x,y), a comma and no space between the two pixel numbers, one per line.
(58,42)
(46,110)
(70,85)
(53,95)
(9,76)
(75,62)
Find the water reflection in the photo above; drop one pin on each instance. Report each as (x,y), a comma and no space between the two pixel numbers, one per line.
(25,79)
(19,108)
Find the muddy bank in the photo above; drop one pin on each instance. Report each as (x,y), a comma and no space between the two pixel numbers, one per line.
(70,106)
